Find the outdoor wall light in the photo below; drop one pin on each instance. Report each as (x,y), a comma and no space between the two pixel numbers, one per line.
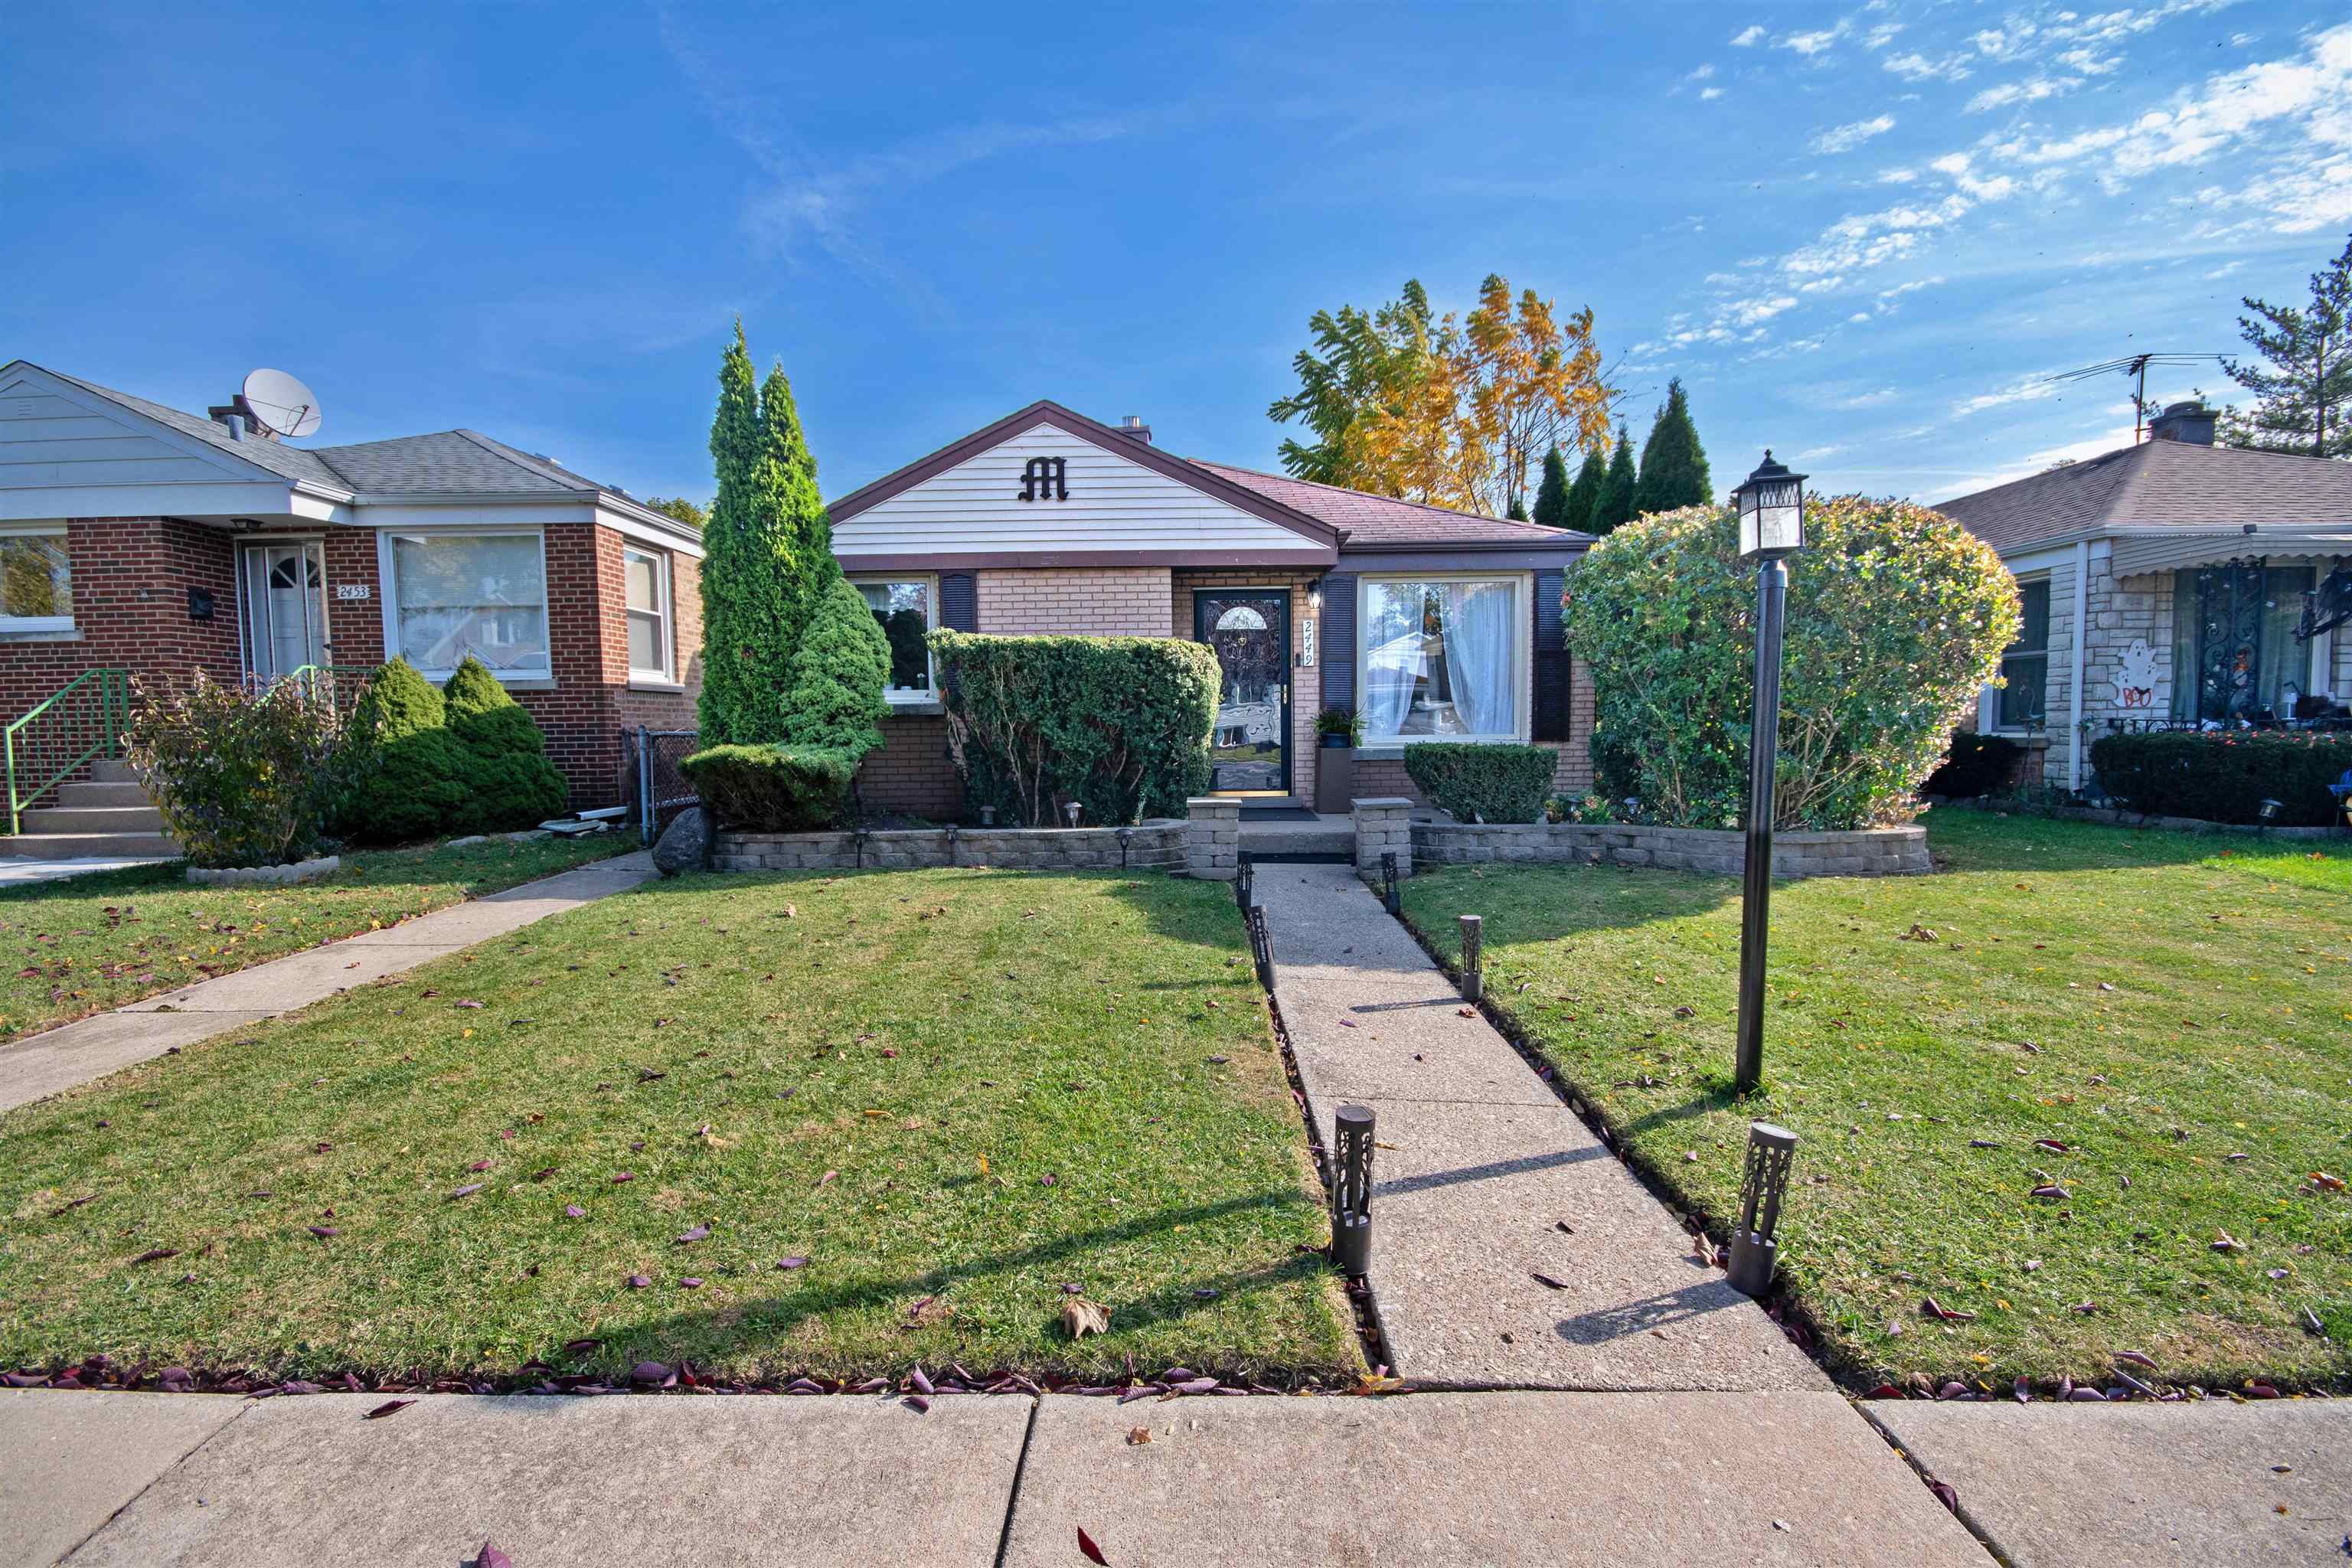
(1765,1181)
(1391,894)
(1351,1190)
(1771,524)
(1474,979)
(1315,598)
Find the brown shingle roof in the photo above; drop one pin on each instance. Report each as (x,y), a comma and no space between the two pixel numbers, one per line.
(1376,521)
(2158,484)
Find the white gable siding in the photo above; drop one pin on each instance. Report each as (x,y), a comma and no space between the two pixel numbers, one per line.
(46,442)
(1116,504)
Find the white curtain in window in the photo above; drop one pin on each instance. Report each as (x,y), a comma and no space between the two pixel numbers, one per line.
(1395,657)
(480,593)
(1478,647)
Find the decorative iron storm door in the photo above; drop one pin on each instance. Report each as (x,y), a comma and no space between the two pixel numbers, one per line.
(2227,641)
(1250,630)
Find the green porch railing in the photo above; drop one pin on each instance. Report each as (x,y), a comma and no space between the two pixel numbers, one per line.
(329,680)
(85,720)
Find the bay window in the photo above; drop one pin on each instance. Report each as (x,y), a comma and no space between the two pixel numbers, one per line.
(903,607)
(35,579)
(1442,658)
(646,576)
(456,593)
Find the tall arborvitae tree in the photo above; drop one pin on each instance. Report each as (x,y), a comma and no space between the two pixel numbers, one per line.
(1673,465)
(766,548)
(2303,386)
(1585,494)
(1551,495)
(1615,504)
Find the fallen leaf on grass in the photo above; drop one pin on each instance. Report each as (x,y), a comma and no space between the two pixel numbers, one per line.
(1937,1310)
(324,1231)
(156,1254)
(697,1234)
(389,1407)
(1081,1317)
(467,1191)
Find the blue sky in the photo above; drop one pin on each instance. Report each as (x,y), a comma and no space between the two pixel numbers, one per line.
(1860,234)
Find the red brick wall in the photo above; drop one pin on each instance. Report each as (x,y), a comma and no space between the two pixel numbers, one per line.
(912,775)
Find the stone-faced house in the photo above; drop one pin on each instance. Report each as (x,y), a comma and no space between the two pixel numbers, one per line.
(2164,583)
(142,539)
(1428,624)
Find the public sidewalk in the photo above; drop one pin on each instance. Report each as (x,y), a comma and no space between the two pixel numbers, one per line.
(56,1059)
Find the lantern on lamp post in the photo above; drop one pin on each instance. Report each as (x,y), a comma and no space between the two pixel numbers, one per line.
(1772,507)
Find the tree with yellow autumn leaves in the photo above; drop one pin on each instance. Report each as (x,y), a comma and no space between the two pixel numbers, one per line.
(1455,411)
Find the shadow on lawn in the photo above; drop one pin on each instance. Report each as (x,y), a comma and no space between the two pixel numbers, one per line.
(774,1317)
(1978,840)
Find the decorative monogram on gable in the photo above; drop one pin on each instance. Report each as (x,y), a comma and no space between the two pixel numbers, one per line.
(1045,478)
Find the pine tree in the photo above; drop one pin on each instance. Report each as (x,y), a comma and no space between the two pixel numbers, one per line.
(766,546)
(1585,494)
(2304,399)
(1615,504)
(1673,465)
(1551,495)
(1518,510)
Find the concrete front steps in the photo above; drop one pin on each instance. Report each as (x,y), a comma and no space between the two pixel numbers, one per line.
(1326,839)
(106,815)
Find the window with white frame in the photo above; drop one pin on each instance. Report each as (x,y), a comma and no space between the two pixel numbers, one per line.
(35,579)
(482,593)
(1441,659)
(648,576)
(903,607)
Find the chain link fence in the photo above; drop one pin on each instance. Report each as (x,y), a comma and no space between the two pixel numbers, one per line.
(658,791)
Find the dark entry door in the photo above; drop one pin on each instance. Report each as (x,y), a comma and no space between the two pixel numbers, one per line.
(1250,629)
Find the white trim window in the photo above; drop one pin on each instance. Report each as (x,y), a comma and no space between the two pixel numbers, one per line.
(35,579)
(907,609)
(1443,656)
(454,592)
(645,579)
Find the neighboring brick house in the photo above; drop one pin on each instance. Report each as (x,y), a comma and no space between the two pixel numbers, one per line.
(138,537)
(2186,567)
(1429,624)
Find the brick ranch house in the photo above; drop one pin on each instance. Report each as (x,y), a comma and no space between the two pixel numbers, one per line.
(145,539)
(2163,582)
(1428,624)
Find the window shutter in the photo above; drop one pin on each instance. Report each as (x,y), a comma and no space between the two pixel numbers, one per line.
(959,602)
(1552,660)
(1339,642)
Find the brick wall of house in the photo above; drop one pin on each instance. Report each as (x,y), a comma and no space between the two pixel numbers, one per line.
(1107,602)
(130,581)
(1572,772)
(912,775)
(1307,685)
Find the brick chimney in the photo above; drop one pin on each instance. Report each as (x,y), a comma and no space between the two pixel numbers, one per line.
(2190,422)
(1133,425)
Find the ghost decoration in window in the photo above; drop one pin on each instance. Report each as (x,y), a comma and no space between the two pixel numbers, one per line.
(2136,678)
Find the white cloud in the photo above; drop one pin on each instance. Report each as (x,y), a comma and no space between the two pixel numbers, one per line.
(1881,36)
(1748,37)
(1961,482)
(1813,43)
(2028,389)
(2224,269)
(2033,89)
(1703,71)
(1710,94)
(1913,66)
(1846,137)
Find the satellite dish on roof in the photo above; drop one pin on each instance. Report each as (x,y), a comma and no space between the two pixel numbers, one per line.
(279,404)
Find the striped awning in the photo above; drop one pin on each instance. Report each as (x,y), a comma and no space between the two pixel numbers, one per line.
(2136,552)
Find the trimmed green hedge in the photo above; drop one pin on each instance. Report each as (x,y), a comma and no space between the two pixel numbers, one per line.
(772,789)
(1120,725)
(1482,783)
(2224,776)
(1974,765)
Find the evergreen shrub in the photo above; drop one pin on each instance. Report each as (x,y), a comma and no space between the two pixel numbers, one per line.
(772,789)
(509,780)
(1482,783)
(2225,775)
(409,779)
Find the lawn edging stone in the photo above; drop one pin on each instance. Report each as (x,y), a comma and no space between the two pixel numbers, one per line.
(283,876)
(1866,852)
(1155,846)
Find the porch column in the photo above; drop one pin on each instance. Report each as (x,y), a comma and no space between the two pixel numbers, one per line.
(1213,838)
(1383,826)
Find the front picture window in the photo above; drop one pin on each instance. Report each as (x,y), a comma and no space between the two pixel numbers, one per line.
(478,593)
(1441,659)
(902,608)
(36,580)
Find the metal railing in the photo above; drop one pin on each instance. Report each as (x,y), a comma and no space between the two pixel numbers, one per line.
(337,683)
(85,721)
(657,788)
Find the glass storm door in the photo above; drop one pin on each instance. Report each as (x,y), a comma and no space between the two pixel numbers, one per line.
(1250,748)
(285,609)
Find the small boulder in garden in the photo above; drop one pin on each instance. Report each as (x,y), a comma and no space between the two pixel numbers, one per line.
(685,844)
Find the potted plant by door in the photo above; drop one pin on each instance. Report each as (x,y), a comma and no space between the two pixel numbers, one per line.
(1337,731)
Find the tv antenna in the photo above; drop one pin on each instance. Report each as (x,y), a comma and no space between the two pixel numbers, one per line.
(2135,366)
(278,404)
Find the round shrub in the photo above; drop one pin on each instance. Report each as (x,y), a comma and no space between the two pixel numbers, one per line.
(410,777)
(839,673)
(511,781)
(1896,616)
(772,789)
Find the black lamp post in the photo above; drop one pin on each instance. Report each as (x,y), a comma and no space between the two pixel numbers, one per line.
(1771,525)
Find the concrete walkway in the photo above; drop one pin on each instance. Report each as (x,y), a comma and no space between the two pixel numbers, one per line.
(49,1063)
(1478,1167)
(16,868)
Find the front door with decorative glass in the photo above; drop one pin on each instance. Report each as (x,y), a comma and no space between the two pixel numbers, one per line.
(284,589)
(1250,630)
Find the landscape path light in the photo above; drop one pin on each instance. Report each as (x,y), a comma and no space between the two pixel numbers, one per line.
(1070,812)
(1762,1186)
(1351,1190)
(1245,882)
(1474,978)
(1391,894)
(1772,507)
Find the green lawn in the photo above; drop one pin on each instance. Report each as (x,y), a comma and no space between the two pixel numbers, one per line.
(88,943)
(953,1094)
(2174,1011)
